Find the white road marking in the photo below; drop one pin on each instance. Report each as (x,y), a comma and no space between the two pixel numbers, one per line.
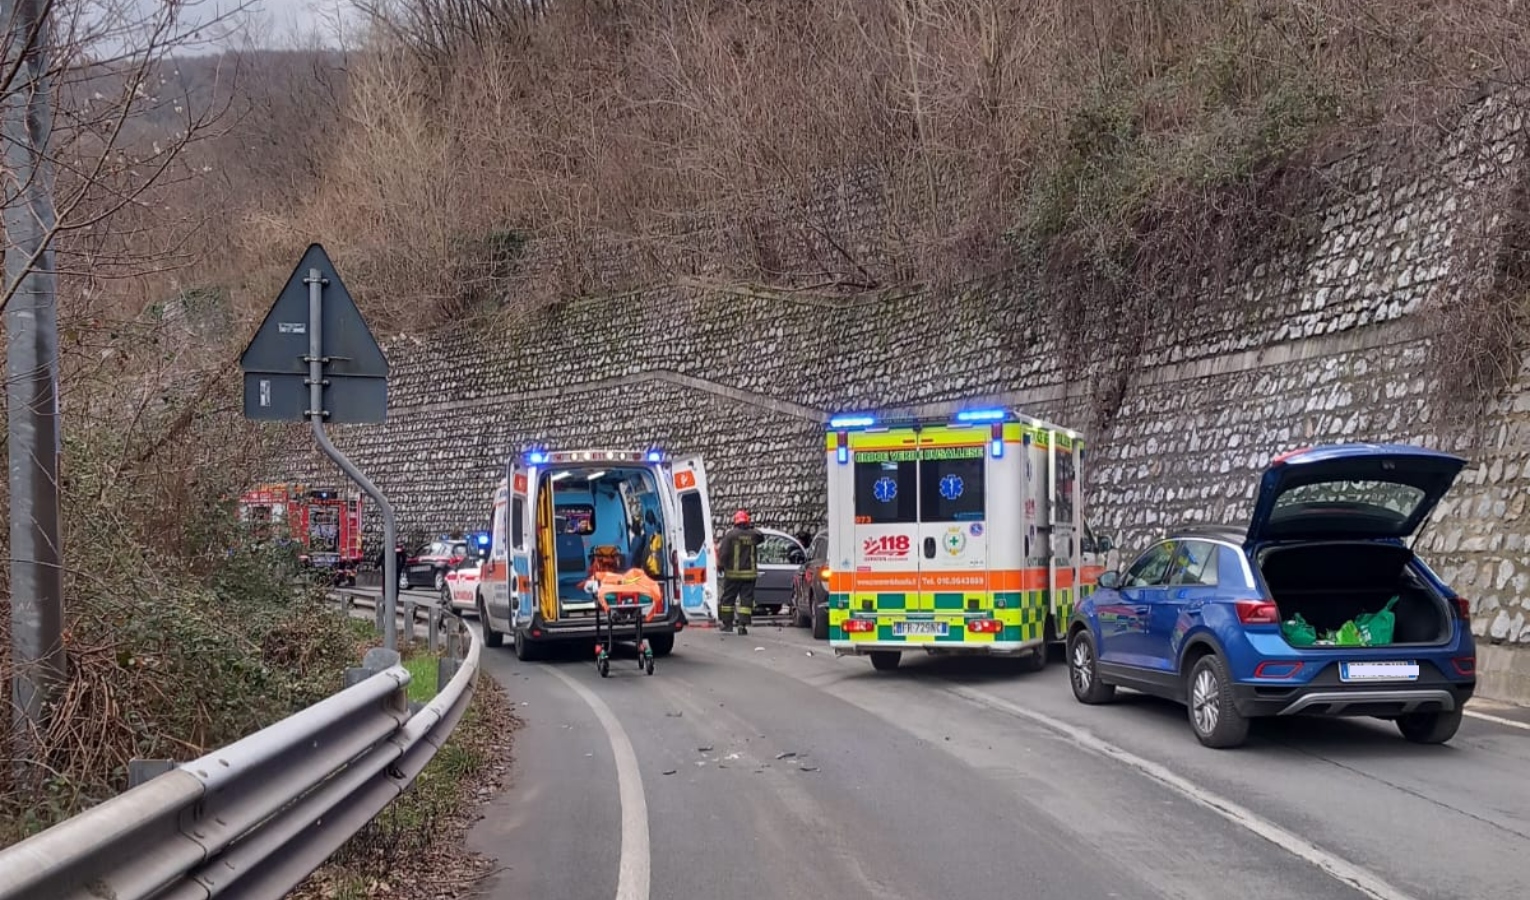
(1338,868)
(1496,720)
(633,872)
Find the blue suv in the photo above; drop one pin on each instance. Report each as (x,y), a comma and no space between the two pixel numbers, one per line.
(1197,618)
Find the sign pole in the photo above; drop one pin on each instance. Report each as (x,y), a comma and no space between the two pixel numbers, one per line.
(31,382)
(316,413)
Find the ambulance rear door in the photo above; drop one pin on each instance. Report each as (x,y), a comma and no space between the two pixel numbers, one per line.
(692,533)
(884,497)
(953,532)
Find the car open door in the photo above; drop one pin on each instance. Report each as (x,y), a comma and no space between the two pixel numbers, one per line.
(698,562)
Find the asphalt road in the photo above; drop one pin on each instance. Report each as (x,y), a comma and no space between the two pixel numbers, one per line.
(763,767)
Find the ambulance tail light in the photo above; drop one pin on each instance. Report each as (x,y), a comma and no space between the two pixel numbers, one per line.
(859,626)
(985,626)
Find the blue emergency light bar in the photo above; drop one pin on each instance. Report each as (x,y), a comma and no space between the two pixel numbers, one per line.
(982,415)
(654,456)
(483,540)
(536,457)
(855,421)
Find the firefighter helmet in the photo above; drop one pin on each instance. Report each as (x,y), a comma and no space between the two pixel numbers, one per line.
(741,517)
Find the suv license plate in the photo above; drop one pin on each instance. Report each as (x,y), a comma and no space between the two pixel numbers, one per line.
(906,628)
(1378,671)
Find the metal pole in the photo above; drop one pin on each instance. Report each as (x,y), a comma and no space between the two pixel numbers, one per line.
(315,282)
(31,378)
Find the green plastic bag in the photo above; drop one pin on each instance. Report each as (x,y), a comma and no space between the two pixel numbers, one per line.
(1297,632)
(1349,635)
(1377,627)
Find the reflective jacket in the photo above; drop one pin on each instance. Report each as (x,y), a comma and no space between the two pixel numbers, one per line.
(738,551)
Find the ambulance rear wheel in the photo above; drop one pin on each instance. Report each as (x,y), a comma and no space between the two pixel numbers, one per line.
(525,651)
(661,644)
(885,660)
(491,638)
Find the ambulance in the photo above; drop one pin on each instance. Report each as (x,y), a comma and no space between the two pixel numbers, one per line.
(561,514)
(960,534)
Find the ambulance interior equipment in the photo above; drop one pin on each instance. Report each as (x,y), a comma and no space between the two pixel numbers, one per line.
(561,518)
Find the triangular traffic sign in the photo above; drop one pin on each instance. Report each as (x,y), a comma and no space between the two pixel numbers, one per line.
(274,363)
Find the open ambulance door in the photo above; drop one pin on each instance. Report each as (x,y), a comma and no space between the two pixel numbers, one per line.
(544,561)
(693,536)
(1063,488)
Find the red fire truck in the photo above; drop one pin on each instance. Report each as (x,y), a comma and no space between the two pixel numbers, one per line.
(325,523)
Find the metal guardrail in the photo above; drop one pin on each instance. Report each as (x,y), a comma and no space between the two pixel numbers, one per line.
(253,819)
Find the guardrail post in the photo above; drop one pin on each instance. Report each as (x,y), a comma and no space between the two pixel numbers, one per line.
(452,631)
(141,770)
(433,628)
(378,611)
(408,634)
(378,659)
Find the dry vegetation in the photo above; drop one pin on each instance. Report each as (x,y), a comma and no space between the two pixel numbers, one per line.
(1121,148)
(180,634)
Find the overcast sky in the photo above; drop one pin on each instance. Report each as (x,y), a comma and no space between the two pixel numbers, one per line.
(279,22)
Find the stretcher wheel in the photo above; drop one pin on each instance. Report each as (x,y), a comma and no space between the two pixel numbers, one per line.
(648,665)
(605,668)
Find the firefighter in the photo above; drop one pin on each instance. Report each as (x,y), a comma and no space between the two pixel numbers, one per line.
(736,556)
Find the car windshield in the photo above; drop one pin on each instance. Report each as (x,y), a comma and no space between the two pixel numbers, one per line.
(774,549)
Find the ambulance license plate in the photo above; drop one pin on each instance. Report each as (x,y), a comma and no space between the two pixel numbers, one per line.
(1378,671)
(907,628)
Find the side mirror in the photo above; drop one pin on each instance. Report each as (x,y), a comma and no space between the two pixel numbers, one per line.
(1109,580)
(1104,544)
(796,557)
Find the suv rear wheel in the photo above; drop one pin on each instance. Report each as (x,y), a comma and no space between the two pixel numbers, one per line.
(820,623)
(1429,728)
(1213,717)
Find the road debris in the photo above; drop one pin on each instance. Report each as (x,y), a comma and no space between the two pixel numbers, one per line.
(670,771)
(706,749)
(790,754)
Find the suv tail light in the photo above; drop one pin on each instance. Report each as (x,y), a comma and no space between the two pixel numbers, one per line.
(824,572)
(1258,612)
(1463,608)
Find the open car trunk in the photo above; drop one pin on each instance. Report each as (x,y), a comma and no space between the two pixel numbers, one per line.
(1332,583)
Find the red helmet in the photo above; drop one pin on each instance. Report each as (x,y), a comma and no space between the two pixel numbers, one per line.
(741,517)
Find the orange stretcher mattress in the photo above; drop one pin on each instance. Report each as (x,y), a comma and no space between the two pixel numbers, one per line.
(628,590)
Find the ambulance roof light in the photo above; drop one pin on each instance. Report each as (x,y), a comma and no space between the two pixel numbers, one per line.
(982,415)
(536,457)
(654,456)
(852,421)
